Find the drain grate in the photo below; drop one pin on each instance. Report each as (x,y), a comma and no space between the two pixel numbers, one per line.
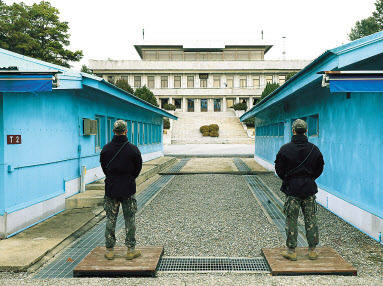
(212,264)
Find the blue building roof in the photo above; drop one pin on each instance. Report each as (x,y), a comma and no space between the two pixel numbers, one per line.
(340,58)
(70,79)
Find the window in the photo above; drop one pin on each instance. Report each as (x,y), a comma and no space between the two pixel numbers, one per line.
(143,134)
(111,78)
(203,82)
(242,81)
(203,56)
(282,79)
(125,77)
(178,103)
(269,78)
(151,82)
(177,81)
(216,81)
(230,81)
(110,128)
(256,81)
(177,55)
(281,128)
(190,81)
(98,136)
(230,55)
(313,125)
(164,81)
(242,55)
(150,55)
(216,56)
(190,56)
(163,55)
(137,81)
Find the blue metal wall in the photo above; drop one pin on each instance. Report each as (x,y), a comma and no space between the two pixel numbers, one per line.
(50,125)
(350,138)
(2,165)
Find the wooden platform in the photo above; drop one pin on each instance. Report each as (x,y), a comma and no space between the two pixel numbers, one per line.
(329,262)
(95,263)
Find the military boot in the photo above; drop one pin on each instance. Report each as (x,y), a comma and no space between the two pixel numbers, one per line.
(131,254)
(109,253)
(290,254)
(313,255)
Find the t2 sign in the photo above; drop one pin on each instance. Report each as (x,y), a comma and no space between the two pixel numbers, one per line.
(13,139)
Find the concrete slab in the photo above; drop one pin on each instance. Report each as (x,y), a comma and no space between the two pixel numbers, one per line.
(328,262)
(95,264)
(254,166)
(210,150)
(209,165)
(24,249)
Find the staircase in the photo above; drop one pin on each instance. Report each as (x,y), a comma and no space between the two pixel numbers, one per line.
(186,128)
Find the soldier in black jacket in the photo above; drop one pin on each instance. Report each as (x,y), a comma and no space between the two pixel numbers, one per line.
(122,163)
(299,163)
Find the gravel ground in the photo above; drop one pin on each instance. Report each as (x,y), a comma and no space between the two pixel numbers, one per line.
(216,215)
(363,252)
(206,215)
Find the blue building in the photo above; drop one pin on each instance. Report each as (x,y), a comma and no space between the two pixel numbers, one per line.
(340,95)
(46,114)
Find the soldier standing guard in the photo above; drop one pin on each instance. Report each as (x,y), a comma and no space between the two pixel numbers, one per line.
(299,163)
(121,162)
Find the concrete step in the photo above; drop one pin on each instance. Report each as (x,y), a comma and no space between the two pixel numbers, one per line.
(94,192)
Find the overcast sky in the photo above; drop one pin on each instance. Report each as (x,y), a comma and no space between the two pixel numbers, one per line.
(108,29)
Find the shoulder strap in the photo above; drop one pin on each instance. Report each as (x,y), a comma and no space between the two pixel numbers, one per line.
(116,154)
(289,172)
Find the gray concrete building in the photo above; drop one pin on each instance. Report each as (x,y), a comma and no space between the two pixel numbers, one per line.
(200,76)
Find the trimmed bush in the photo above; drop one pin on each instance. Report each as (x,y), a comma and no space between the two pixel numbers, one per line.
(213,127)
(204,129)
(169,107)
(214,134)
(206,134)
(240,106)
(250,122)
(166,123)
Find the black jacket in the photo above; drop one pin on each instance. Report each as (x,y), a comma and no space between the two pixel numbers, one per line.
(121,174)
(300,182)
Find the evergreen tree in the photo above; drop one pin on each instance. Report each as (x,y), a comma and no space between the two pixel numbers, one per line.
(145,94)
(270,87)
(36,31)
(124,85)
(85,69)
(364,28)
(370,25)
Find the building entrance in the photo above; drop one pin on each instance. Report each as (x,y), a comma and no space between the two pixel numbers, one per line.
(217,105)
(203,105)
(190,105)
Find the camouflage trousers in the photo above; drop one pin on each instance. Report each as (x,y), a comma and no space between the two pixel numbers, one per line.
(291,210)
(129,209)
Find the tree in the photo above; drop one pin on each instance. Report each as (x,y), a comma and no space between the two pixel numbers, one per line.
(36,31)
(290,75)
(145,94)
(270,87)
(124,85)
(85,69)
(364,28)
(370,25)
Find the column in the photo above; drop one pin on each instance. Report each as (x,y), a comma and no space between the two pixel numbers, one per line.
(251,102)
(237,99)
(171,100)
(224,104)
(184,104)
(197,105)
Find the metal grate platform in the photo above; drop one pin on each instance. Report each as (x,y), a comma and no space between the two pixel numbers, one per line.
(212,264)
(63,265)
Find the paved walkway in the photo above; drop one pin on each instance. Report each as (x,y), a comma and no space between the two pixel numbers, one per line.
(210,150)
